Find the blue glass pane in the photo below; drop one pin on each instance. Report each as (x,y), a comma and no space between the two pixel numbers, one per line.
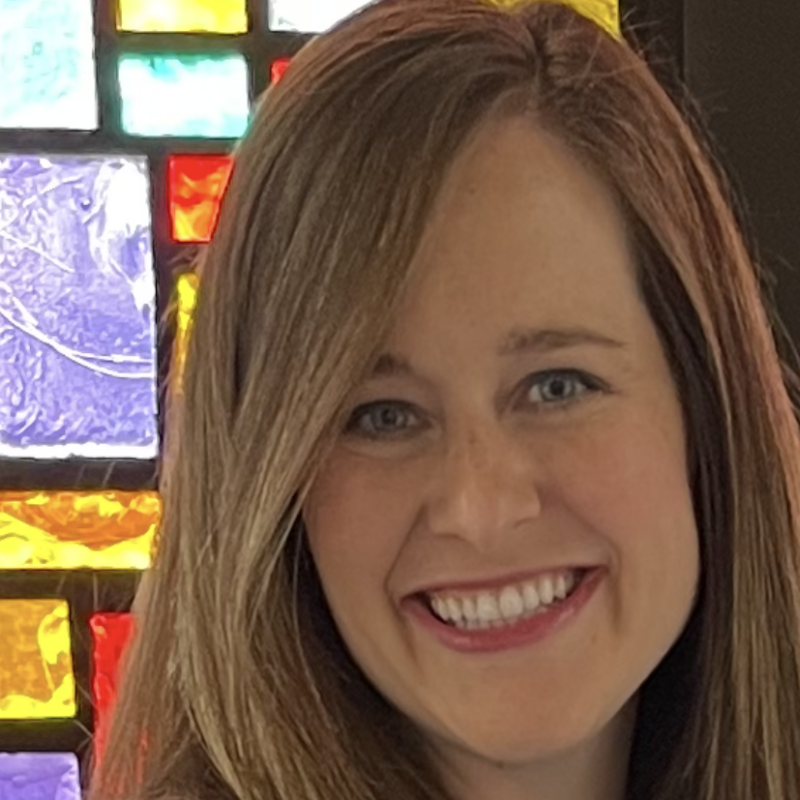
(47,69)
(170,95)
(310,16)
(39,776)
(77,308)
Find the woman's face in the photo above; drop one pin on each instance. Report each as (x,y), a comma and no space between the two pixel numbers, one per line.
(523,423)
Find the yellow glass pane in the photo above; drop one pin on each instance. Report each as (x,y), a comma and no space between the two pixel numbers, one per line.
(603,12)
(215,16)
(186,297)
(74,530)
(36,678)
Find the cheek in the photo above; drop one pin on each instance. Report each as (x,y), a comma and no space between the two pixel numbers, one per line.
(357,519)
(631,487)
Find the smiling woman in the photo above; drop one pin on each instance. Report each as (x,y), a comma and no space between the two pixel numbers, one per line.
(519,483)
(486,481)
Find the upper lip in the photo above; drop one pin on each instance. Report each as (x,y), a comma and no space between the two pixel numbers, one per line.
(491,583)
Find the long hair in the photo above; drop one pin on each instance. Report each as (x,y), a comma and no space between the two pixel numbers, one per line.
(237,685)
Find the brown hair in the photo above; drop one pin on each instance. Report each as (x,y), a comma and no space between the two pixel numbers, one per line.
(237,685)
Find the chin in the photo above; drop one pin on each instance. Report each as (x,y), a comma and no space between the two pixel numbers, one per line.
(517,740)
(519,746)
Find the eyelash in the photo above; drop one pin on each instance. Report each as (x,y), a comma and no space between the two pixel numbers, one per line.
(591,385)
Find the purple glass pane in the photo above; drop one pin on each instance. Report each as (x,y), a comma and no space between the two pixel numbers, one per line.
(77,308)
(39,776)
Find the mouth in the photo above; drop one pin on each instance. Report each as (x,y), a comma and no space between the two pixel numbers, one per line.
(505,606)
(501,618)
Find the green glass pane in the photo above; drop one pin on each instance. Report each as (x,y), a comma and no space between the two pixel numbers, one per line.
(192,96)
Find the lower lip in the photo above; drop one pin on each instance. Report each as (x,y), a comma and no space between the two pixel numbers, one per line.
(507,637)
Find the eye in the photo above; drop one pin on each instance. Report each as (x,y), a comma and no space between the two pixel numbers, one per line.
(559,387)
(382,419)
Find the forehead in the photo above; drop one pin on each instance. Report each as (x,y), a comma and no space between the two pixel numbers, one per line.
(521,234)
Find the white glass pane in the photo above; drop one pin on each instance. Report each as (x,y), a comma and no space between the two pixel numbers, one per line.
(47,74)
(310,16)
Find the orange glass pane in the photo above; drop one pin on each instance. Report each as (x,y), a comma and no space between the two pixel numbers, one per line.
(196,186)
(279,66)
(73,530)
(186,298)
(36,678)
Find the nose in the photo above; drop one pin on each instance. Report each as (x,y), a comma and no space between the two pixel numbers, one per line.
(486,484)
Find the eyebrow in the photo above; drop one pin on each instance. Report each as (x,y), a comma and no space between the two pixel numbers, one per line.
(518,341)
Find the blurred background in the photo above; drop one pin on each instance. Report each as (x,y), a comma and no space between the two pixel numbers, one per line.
(116,121)
(741,60)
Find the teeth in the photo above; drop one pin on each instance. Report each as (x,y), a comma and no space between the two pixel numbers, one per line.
(509,605)
(468,609)
(454,612)
(530,596)
(488,608)
(440,607)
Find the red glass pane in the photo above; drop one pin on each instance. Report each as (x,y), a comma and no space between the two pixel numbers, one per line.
(278,67)
(110,633)
(196,186)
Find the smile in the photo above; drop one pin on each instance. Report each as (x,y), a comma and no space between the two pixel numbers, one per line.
(507,605)
(512,616)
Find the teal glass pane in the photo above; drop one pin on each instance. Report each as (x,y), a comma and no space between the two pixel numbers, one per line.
(310,16)
(193,96)
(47,73)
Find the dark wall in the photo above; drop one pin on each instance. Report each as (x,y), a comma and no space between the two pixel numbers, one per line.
(741,59)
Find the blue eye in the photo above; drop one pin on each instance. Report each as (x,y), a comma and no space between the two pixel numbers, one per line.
(385,418)
(565,386)
(555,390)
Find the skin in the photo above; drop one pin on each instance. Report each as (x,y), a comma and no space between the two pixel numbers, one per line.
(482,465)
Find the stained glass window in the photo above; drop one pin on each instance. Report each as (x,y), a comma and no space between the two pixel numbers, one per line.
(39,776)
(216,16)
(77,530)
(77,308)
(184,95)
(196,185)
(36,680)
(47,68)
(310,16)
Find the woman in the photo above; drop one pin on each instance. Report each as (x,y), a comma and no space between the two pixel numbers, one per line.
(486,480)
